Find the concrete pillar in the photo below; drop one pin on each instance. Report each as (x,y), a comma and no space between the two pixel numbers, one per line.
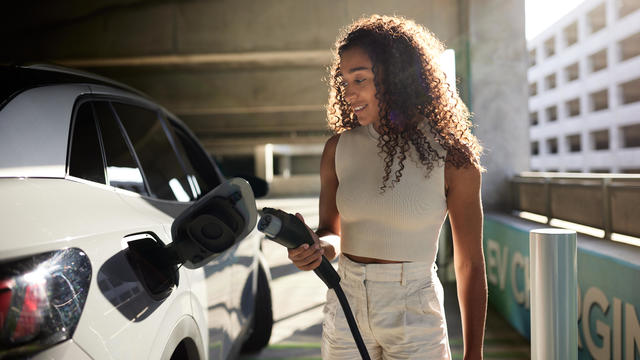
(614,141)
(499,93)
(583,33)
(285,166)
(611,7)
(264,162)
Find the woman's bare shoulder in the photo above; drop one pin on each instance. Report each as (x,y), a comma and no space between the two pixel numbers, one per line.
(328,161)
(332,143)
(467,176)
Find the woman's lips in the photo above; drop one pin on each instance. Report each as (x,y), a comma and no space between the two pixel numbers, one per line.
(357,109)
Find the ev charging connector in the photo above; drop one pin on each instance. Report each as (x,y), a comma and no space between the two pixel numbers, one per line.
(288,231)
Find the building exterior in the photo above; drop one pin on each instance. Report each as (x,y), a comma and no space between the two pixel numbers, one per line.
(584,90)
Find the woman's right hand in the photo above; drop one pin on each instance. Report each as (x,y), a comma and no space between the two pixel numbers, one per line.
(306,257)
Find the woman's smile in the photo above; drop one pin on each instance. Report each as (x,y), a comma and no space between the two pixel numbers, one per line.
(359,108)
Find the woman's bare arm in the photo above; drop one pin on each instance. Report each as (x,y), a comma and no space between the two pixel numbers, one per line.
(465,214)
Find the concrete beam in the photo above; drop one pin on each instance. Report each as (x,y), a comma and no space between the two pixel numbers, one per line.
(246,145)
(182,89)
(129,28)
(257,122)
(216,61)
(498,73)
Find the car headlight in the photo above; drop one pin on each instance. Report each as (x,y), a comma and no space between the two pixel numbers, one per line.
(41,300)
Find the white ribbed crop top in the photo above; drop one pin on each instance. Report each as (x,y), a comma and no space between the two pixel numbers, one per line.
(401,224)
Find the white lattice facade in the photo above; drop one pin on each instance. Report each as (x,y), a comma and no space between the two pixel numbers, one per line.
(584,85)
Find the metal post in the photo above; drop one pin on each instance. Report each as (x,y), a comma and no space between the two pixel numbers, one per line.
(554,294)
(606,208)
(547,194)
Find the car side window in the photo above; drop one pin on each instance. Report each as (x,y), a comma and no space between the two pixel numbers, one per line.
(203,172)
(164,173)
(85,157)
(122,168)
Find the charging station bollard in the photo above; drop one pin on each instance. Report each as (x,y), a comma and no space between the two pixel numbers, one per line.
(554,294)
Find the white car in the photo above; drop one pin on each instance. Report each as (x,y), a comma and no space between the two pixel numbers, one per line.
(93,175)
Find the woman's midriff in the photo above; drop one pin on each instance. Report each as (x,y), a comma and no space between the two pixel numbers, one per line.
(368,260)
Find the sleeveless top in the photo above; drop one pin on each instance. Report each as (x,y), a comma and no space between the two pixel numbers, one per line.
(401,224)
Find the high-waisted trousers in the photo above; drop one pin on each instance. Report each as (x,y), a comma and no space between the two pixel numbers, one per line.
(399,309)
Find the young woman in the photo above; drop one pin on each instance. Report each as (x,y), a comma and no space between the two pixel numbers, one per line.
(403,157)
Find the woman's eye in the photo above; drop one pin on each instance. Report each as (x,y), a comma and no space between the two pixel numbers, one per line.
(344,84)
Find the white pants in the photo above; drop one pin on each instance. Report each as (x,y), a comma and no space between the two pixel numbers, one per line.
(399,309)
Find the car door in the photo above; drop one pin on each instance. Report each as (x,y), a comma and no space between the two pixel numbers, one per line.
(172,186)
(121,320)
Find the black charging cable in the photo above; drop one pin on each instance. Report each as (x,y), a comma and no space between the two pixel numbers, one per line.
(289,231)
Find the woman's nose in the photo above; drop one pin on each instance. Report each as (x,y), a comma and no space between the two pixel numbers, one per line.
(349,94)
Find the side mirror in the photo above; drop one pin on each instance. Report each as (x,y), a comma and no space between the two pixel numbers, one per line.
(259,186)
(210,226)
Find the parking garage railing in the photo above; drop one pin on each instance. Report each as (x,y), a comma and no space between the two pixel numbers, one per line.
(601,205)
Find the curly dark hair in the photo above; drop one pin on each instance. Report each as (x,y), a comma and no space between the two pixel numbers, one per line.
(413,92)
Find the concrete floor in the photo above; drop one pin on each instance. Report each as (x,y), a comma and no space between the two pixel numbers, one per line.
(298,298)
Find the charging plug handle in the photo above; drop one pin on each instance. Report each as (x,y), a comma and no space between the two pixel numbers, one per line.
(288,231)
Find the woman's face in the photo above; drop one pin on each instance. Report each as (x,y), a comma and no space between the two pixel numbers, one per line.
(359,86)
